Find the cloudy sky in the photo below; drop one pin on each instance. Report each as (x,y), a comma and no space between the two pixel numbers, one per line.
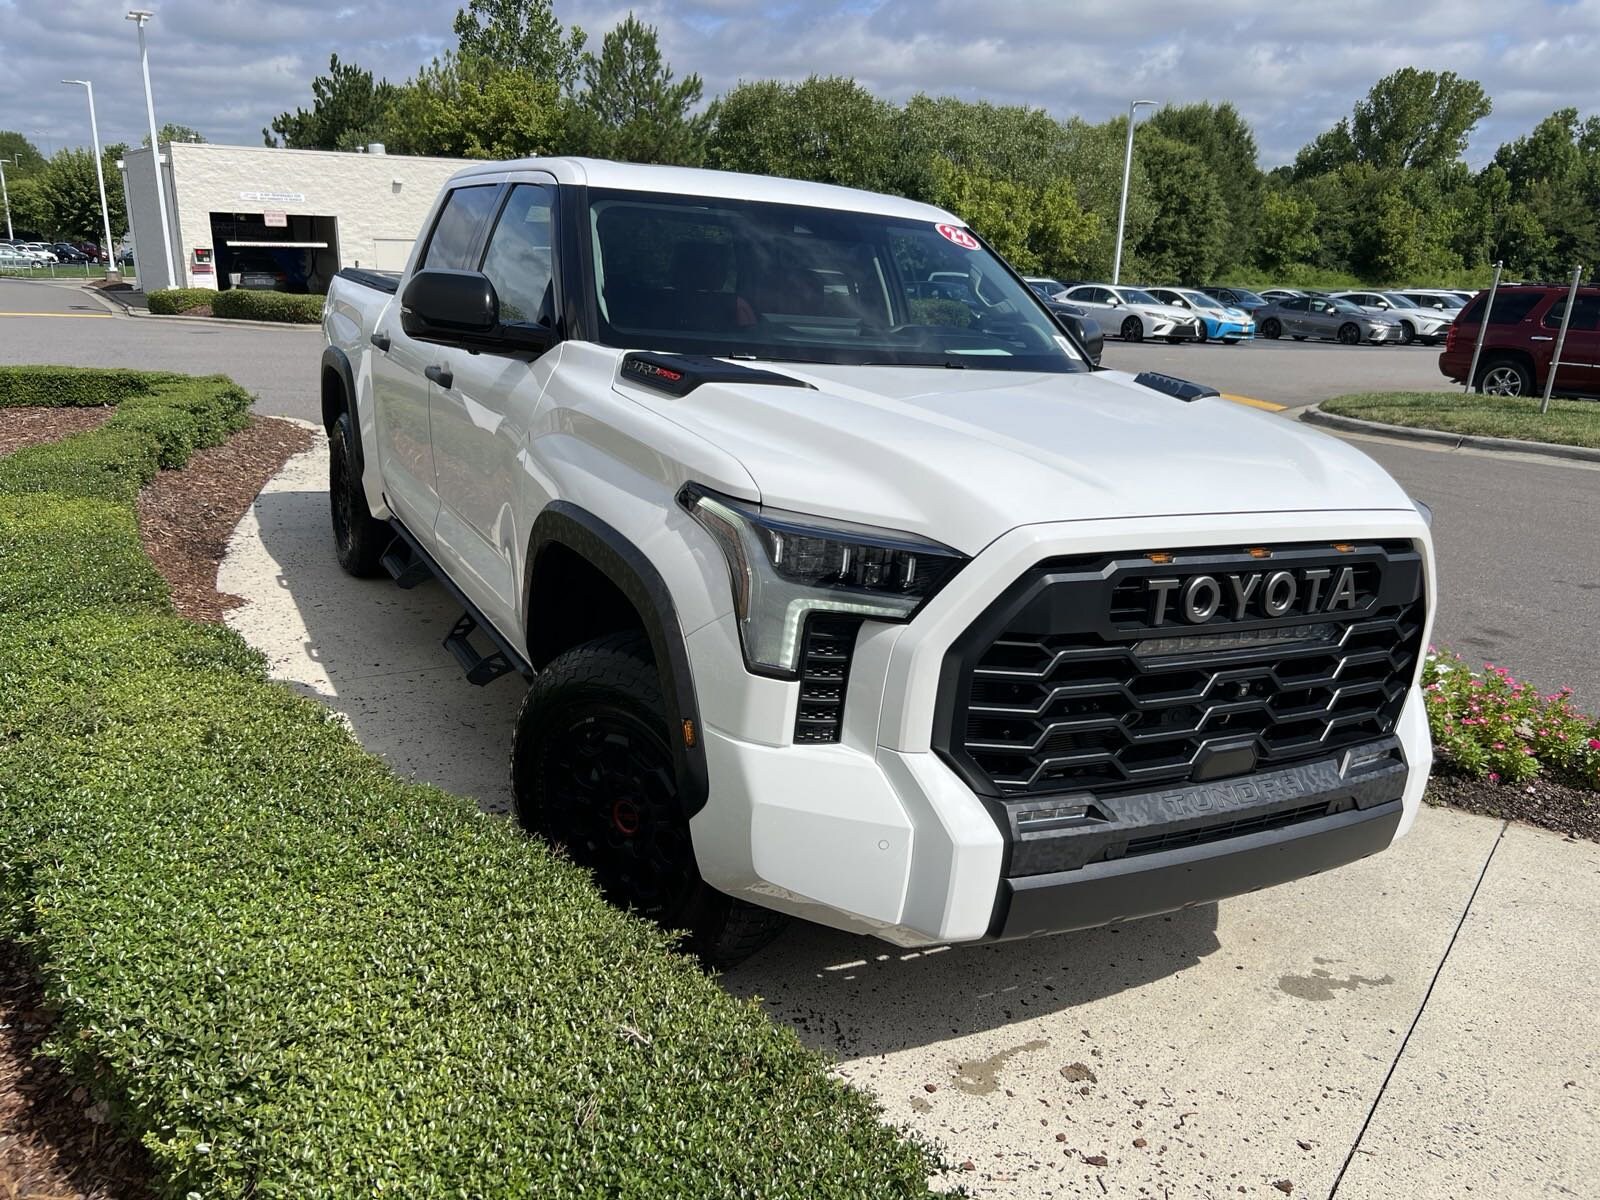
(1292,67)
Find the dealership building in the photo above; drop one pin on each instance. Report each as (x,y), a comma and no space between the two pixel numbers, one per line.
(296,215)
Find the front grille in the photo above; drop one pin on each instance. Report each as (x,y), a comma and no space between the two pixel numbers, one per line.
(1064,686)
(825,653)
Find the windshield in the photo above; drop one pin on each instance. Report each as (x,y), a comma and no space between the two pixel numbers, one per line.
(1135,296)
(1201,300)
(740,279)
(1344,305)
(1249,297)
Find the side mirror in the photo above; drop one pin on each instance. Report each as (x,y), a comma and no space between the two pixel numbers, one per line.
(461,308)
(449,306)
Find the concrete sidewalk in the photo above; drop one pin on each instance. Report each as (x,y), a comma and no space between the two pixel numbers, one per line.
(1421,1024)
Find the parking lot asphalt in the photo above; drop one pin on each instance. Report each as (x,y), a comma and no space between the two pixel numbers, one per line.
(1287,372)
(1416,1024)
(63,323)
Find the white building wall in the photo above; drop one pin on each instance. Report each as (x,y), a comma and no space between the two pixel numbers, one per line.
(380,200)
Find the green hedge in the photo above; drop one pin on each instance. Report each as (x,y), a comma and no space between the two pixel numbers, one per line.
(292,974)
(168,301)
(246,305)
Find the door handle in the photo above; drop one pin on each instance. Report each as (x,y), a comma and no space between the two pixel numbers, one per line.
(381,341)
(1541,339)
(441,376)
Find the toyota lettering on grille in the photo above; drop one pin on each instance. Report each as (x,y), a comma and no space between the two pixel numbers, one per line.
(1304,591)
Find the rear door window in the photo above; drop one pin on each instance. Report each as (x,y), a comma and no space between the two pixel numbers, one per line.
(1585,314)
(1509,307)
(455,233)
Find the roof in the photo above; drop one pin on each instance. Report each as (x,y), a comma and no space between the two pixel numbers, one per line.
(730,185)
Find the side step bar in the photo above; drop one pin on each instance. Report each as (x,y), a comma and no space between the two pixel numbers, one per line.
(410,564)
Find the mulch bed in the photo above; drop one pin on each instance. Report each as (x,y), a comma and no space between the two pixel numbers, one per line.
(21,427)
(53,1142)
(186,517)
(1543,802)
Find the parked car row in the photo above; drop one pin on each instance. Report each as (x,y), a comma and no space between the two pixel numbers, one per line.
(16,252)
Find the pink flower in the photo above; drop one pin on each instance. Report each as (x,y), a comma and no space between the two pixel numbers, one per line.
(1499,745)
(1594,743)
(1494,777)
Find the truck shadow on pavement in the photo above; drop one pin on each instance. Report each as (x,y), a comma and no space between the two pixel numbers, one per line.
(374,653)
(855,996)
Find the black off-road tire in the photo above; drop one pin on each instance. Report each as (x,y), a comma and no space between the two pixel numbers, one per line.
(592,772)
(358,538)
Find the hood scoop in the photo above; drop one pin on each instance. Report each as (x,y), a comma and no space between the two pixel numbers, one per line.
(680,374)
(1171,385)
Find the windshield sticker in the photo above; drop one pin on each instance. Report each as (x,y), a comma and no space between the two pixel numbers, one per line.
(958,235)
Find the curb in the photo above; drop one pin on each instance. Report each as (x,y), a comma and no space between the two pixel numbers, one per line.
(1313,415)
(115,305)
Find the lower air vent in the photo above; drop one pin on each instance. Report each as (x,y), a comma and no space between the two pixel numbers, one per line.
(1180,839)
(825,654)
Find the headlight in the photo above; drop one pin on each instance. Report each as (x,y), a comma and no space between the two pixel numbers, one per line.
(784,566)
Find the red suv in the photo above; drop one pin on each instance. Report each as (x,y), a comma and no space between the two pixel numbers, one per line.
(1523,327)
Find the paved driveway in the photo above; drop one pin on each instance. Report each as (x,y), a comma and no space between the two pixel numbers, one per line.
(1418,1024)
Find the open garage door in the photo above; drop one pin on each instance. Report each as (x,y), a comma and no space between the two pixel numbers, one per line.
(275,251)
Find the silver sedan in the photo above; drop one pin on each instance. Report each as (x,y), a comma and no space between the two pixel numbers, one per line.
(1302,317)
(1415,324)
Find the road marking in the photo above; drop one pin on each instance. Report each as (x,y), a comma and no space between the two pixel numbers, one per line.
(81,316)
(1252,402)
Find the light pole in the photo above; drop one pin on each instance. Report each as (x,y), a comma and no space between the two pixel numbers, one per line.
(99,173)
(1127,170)
(139,17)
(6,194)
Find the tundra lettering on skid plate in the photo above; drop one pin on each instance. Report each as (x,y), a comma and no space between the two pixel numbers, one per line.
(1305,592)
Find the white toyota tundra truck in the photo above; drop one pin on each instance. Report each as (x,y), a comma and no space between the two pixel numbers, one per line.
(846,600)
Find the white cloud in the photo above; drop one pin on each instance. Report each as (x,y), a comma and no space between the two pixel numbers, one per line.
(227,67)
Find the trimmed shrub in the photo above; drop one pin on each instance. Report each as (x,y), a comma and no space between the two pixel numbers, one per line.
(169,301)
(76,387)
(291,974)
(244,305)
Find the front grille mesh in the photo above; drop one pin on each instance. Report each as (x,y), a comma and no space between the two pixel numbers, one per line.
(1042,712)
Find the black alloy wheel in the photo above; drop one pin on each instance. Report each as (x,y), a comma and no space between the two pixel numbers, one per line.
(1133,330)
(1350,333)
(1272,328)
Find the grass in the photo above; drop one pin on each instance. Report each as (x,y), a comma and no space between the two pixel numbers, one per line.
(290,973)
(1568,423)
(59,271)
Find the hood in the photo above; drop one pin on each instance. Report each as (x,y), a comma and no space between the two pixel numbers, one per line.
(963,456)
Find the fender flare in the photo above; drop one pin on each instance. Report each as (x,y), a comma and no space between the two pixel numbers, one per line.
(624,564)
(336,360)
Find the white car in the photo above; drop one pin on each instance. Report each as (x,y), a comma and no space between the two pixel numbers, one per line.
(841,604)
(43,251)
(1415,323)
(1133,314)
(1448,302)
(13,258)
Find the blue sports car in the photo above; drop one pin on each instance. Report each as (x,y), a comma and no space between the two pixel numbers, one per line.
(1217,320)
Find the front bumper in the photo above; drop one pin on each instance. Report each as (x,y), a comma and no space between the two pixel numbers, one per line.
(878,834)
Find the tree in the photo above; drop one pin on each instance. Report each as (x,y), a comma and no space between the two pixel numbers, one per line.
(71,193)
(471,108)
(1417,119)
(31,215)
(25,156)
(1228,147)
(521,35)
(828,129)
(349,109)
(1553,176)
(176,133)
(1027,145)
(1286,231)
(1183,242)
(1328,151)
(1034,229)
(630,108)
